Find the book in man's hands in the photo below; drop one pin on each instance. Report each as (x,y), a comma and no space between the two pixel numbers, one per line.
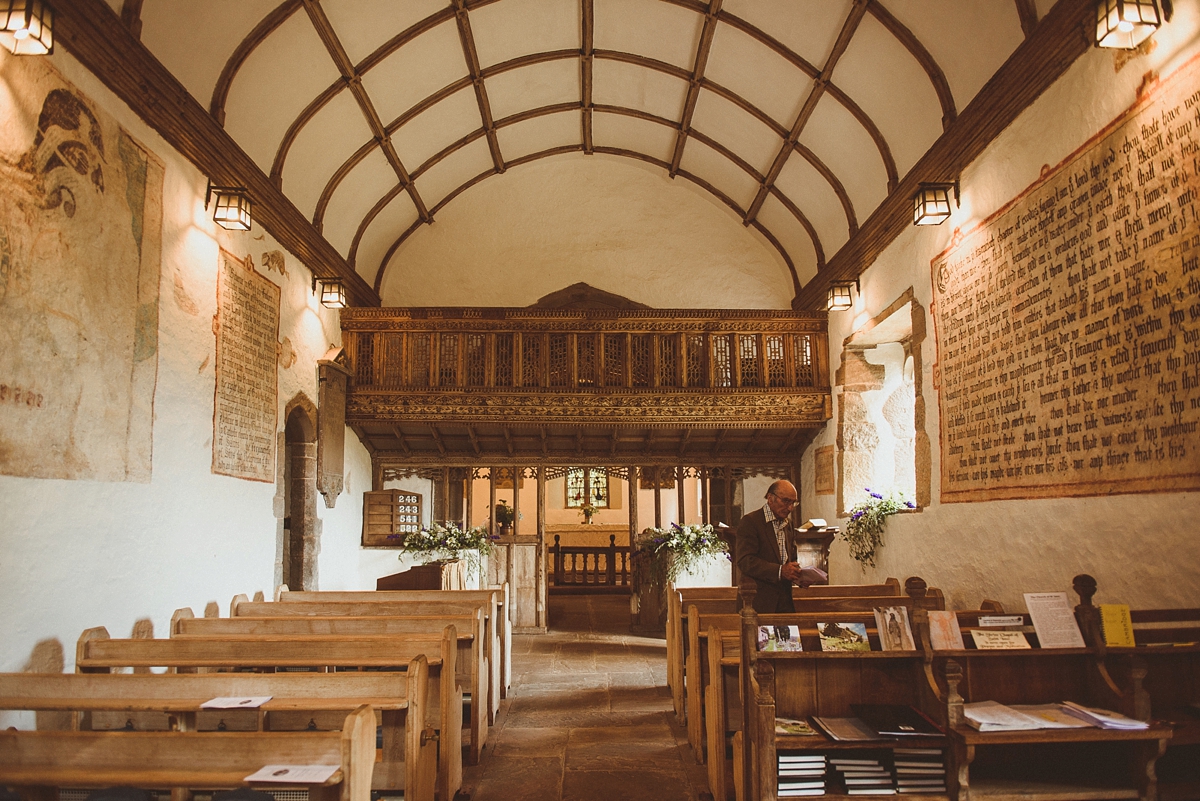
(896,720)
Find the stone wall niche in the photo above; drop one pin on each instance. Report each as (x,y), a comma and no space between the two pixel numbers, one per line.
(301,528)
(881,436)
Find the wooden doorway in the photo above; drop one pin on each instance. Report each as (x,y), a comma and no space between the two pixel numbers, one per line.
(300,540)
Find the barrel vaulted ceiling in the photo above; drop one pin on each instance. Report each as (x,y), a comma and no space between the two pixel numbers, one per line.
(372,115)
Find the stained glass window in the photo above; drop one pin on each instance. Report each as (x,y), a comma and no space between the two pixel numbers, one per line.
(587,482)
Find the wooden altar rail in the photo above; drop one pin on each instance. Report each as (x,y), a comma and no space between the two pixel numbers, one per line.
(758,350)
(591,567)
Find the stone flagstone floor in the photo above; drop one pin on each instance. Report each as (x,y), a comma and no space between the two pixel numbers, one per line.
(588,716)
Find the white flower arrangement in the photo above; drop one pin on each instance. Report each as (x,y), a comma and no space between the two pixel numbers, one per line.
(679,549)
(446,541)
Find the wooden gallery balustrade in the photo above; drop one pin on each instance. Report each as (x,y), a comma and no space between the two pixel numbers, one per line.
(465,372)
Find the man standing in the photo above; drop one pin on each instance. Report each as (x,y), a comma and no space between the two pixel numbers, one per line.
(767,553)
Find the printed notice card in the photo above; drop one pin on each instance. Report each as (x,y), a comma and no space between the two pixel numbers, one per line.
(293,774)
(1053,620)
(998,639)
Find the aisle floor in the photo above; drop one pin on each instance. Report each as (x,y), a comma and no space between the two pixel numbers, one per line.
(588,716)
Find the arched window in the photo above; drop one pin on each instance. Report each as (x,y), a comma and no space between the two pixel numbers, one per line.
(587,483)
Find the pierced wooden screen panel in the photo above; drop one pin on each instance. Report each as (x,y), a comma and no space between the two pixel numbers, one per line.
(748,358)
(776,363)
(559,363)
(614,360)
(391,367)
(419,347)
(722,345)
(476,360)
(639,345)
(587,361)
(389,516)
(364,361)
(695,360)
(802,357)
(504,360)
(668,360)
(448,360)
(531,360)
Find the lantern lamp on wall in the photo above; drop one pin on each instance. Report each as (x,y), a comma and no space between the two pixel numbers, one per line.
(931,203)
(839,297)
(1125,24)
(231,208)
(333,293)
(27,27)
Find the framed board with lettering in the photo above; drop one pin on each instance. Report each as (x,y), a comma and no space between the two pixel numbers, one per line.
(1068,323)
(389,516)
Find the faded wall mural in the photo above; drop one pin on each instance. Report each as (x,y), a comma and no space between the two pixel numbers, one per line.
(80,249)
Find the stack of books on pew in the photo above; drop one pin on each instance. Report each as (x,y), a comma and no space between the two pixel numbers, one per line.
(801,774)
(920,770)
(864,774)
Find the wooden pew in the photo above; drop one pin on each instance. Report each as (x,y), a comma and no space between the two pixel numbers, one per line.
(409,755)
(391,602)
(723,711)
(37,762)
(1160,676)
(698,624)
(500,596)
(96,652)
(472,669)
(726,599)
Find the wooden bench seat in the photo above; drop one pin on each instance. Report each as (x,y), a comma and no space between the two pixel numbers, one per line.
(96,652)
(473,672)
(409,756)
(402,603)
(37,762)
(498,595)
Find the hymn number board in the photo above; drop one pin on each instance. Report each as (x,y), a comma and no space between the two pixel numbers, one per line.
(408,513)
(1068,323)
(389,516)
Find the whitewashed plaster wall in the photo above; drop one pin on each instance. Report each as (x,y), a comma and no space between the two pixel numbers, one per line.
(614,223)
(76,554)
(1141,548)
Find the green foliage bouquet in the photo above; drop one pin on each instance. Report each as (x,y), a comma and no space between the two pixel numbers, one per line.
(446,541)
(864,532)
(679,549)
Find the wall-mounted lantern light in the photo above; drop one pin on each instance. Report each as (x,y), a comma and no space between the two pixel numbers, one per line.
(839,297)
(27,27)
(232,206)
(931,203)
(333,293)
(1125,24)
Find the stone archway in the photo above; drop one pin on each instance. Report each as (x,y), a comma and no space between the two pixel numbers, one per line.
(301,527)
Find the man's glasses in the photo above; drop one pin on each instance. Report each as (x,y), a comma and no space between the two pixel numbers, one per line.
(785,501)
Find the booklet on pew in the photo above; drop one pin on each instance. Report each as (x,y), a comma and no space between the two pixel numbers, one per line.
(848,730)
(993,716)
(1117,625)
(794,726)
(1103,718)
(293,774)
(779,638)
(894,632)
(944,632)
(843,636)
(896,720)
(1053,620)
(240,702)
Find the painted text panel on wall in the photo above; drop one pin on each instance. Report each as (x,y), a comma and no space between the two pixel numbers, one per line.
(1068,324)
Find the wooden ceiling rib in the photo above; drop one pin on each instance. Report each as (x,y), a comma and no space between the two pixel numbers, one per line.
(1059,39)
(694,83)
(472,57)
(93,33)
(587,40)
(238,57)
(810,105)
(131,17)
(922,56)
